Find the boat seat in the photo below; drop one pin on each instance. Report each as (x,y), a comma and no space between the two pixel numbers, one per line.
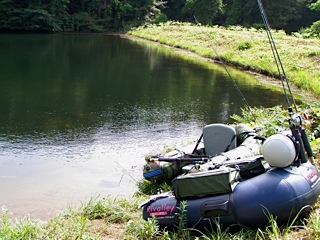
(218,138)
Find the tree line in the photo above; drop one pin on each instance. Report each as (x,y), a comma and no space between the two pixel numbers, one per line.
(119,15)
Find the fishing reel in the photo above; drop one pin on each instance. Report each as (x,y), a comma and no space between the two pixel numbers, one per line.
(299,134)
(296,120)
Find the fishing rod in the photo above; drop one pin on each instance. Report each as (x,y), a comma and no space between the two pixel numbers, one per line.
(296,120)
(228,72)
(280,68)
(182,159)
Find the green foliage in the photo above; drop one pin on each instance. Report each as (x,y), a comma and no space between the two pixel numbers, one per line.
(245,45)
(161,18)
(182,231)
(20,228)
(313,54)
(268,120)
(151,188)
(58,10)
(274,231)
(112,210)
(313,225)
(219,233)
(143,229)
(5,7)
(173,9)
(30,19)
(84,22)
(315,6)
(235,10)
(115,15)
(33,15)
(311,32)
(290,15)
(315,29)
(314,128)
(204,10)
(84,15)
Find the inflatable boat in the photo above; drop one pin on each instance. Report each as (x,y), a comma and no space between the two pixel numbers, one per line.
(233,185)
(245,191)
(217,144)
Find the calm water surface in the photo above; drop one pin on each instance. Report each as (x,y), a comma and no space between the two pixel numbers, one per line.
(78,113)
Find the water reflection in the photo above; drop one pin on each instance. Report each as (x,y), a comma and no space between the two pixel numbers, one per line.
(79,112)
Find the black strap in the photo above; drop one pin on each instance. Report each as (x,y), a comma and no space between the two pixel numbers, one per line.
(228,147)
(198,142)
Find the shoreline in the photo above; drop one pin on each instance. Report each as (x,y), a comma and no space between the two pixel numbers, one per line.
(247,50)
(304,96)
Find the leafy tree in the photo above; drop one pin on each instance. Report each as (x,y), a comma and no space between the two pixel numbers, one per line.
(30,20)
(315,6)
(21,3)
(173,9)
(280,14)
(112,14)
(107,15)
(305,17)
(84,22)
(5,8)
(289,15)
(315,27)
(58,10)
(33,15)
(235,12)
(204,10)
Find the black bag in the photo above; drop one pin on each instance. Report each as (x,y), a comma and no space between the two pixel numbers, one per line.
(252,169)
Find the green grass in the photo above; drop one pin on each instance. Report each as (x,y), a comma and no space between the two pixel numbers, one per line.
(82,224)
(244,48)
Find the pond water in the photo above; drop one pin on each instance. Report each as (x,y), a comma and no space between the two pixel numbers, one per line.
(79,113)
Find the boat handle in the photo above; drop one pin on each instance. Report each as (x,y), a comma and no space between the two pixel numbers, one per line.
(215,208)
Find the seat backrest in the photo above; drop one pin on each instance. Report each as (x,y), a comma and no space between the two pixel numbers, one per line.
(218,138)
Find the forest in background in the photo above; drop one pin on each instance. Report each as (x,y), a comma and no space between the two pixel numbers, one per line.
(121,15)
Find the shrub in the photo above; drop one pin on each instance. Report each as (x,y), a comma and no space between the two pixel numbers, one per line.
(315,28)
(245,45)
(161,18)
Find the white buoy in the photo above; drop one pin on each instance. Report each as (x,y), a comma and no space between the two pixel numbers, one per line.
(279,150)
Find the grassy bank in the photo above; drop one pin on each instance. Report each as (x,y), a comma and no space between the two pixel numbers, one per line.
(106,218)
(247,49)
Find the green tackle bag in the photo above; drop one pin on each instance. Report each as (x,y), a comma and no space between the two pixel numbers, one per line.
(199,184)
